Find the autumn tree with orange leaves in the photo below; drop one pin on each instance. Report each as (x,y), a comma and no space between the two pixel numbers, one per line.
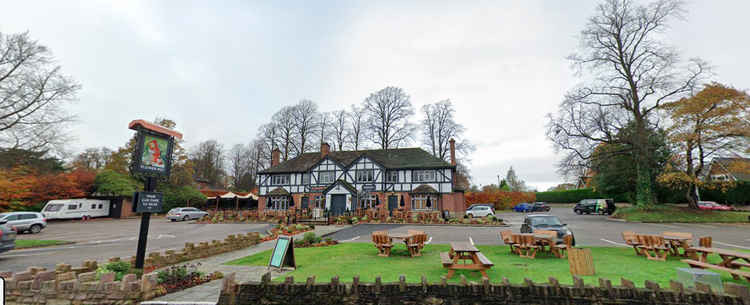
(714,121)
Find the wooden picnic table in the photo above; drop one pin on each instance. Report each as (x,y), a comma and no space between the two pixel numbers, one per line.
(732,261)
(676,242)
(545,240)
(465,252)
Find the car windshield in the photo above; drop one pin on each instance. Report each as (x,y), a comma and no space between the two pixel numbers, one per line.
(53,207)
(545,221)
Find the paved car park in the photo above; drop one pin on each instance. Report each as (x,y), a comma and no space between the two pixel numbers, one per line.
(589,230)
(100,239)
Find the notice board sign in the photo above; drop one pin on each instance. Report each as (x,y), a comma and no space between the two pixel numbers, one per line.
(147,202)
(283,253)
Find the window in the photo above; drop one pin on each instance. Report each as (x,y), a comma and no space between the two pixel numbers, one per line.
(326,177)
(53,207)
(100,205)
(12,217)
(366,202)
(93,206)
(306,178)
(392,177)
(420,202)
(72,206)
(27,216)
(423,176)
(279,203)
(365,175)
(305,202)
(280,179)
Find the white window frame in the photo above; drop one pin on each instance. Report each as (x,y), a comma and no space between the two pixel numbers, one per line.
(427,175)
(306,178)
(391,175)
(331,175)
(419,202)
(279,203)
(320,202)
(366,173)
(366,202)
(280,179)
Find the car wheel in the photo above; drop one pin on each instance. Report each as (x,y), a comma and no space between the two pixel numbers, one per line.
(577,212)
(35,229)
(173,220)
(185,218)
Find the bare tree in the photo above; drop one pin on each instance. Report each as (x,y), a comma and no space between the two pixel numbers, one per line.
(340,129)
(285,125)
(208,158)
(239,164)
(388,113)
(324,126)
(630,72)
(305,116)
(439,126)
(356,123)
(266,141)
(33,92)
(92,158)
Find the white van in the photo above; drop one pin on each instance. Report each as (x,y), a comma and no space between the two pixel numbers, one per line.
(76,208)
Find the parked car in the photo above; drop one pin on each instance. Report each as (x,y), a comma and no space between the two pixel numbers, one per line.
(710,205)
(534,222)
(540,207)
(7,237)
(480,211)
(24,221)
(522,207)
(595,206)
(185,214)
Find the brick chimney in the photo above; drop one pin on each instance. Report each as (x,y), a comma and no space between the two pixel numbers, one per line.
(275,157)
(324,149)
(453,151)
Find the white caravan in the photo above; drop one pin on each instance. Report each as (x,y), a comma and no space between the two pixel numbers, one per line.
(75,208)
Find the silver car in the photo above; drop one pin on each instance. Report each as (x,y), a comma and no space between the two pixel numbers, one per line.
(7,237)
(185,214)
(25,221)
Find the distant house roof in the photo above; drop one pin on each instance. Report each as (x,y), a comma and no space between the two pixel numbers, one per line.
(739,168)
(397,158)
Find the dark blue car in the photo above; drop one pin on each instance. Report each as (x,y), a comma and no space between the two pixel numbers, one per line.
(523,207)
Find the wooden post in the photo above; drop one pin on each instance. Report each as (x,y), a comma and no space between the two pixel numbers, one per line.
(236,203)
(581,262)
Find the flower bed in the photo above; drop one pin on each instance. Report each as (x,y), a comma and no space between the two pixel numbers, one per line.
(178,278)
(368,216)
(417,218)
(310,240)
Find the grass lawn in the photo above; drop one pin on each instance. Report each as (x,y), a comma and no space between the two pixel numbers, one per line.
(350,259)
(32,243)
(669,213)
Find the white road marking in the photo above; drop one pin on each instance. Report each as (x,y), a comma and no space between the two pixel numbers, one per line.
(732,245)
(471,241)
(428,241)
(614,243)
(352,239)
(705,226)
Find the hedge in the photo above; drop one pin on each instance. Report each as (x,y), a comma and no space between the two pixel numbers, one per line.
(739,195)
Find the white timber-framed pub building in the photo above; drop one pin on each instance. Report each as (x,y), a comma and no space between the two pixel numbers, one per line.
(404,179)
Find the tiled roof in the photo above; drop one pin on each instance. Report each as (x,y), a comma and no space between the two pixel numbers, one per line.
(345,184)
(278,192)
(398,158)
(738,167)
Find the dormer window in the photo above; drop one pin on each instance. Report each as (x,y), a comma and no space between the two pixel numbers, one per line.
(280,179)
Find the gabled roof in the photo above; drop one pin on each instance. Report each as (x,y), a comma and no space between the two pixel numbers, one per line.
(343,183)
(278,192)
(737,167)
(424,189)
(397,158)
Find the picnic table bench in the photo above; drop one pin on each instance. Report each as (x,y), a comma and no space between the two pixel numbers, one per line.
(459,254)
(732,261)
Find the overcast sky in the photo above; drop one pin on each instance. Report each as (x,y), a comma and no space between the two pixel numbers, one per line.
(220,69)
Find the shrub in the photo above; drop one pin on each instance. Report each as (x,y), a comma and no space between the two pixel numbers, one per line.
(311,238)
(119,268)
(501,199)
(177,274)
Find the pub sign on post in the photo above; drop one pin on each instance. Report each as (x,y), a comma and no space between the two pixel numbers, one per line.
(148,202)
(153,155)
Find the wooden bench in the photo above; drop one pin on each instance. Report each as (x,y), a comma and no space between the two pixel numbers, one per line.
(445,257)
(559,250)
(734,272)
(631,239)
(526,245)
(655,244)
(415,243)
(382,243)
(484,260)
(507,237)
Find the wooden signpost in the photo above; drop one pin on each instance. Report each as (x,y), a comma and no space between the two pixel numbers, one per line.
(152,159)
(283,253)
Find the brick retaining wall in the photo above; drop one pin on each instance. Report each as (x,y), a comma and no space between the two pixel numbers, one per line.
(78,285)
(551,293)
